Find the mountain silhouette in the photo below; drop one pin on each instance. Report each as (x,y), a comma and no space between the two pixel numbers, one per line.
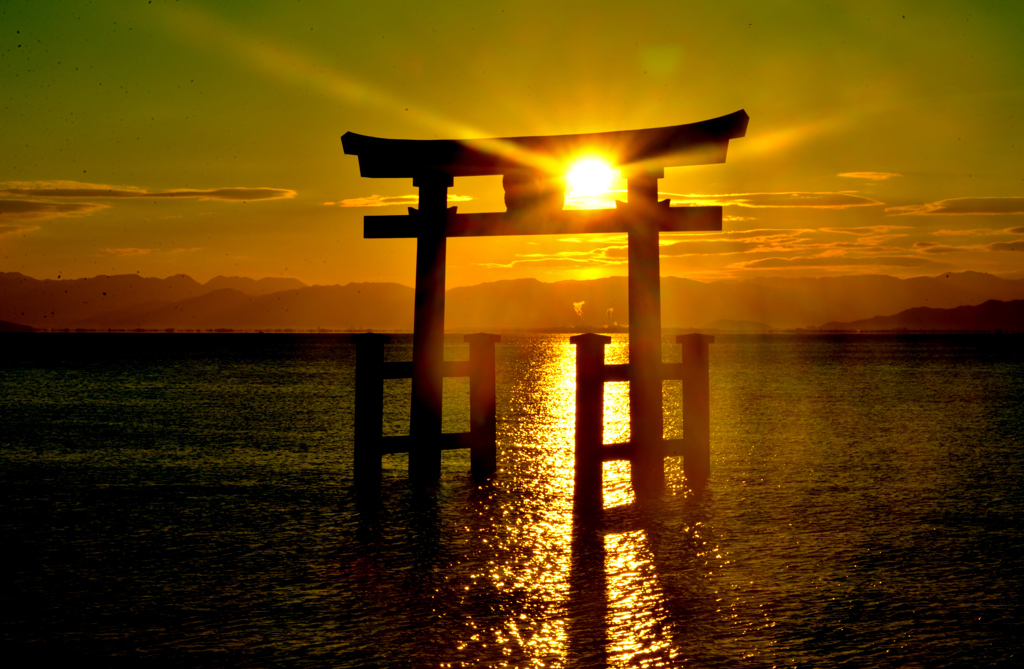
(242,284)
(130,302)
(726,325)
(990,315)
(7,326)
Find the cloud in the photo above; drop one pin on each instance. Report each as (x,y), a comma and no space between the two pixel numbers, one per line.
(868,229)
(594,201)
(1006,246)
(1016,231)
(827,200)
(33,210)
(553,262)
(872,176)
(935,247)
(963,206)
(128,252)
(864,239)
(391,201)
(833,261)
(709,247)
(977,232)
(6,230)
(756,233)
(598,238)
(16,197)
(568,259)
(74,189)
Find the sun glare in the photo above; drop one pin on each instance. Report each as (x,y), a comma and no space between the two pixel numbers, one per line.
(590,177)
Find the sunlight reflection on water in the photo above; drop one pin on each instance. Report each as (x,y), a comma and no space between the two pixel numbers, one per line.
(191,500)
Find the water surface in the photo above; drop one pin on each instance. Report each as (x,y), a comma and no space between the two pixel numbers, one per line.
(188,498)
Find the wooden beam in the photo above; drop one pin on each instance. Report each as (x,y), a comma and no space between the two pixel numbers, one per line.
(404,443)
(616,372)
(701,143)
(566,222)
(403,370)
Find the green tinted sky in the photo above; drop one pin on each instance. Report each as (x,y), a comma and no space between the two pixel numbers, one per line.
(239,107)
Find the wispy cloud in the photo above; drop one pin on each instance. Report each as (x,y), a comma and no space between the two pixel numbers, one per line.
(871,176)
(865,230)
(835,261)
(6,230)
(709,247)
(391,201)
(34,210)
(801,247)
(732,242)
(567,259)
(128,252)
(979,232)
(19,199)
(963,206)
(77,190)
(826,200)
(1006,246)
(756,233)
(935,247)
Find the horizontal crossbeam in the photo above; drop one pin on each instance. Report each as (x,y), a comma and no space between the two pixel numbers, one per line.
(405,443)
(624,450)
(669,371)
(403,370)
(565,222)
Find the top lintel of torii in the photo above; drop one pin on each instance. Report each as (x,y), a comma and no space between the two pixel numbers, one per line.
(648,149)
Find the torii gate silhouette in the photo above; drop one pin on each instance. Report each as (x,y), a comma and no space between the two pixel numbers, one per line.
(532,175)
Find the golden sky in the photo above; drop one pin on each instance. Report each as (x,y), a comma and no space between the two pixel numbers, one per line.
(203,138)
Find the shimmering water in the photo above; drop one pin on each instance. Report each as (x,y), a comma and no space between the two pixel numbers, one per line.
(186,499)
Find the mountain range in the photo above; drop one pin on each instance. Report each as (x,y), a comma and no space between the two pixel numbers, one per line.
(990,315)
(130,301)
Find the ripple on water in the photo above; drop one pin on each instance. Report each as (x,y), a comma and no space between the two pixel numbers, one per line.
(188,497)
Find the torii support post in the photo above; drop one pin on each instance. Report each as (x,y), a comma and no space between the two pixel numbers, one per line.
(696,408)
(428,328)
(646,427)
(369,407)
(588,480)
(483,430)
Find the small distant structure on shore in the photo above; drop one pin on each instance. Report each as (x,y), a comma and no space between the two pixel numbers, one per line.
(532,171)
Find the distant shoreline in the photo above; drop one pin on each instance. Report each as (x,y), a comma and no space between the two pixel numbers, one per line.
(6,328)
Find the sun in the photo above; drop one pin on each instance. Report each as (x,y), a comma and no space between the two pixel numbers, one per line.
(590,176)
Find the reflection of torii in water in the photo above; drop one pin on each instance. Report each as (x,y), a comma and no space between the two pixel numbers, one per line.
(532,170)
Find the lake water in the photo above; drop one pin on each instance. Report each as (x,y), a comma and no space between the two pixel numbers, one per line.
(186,500)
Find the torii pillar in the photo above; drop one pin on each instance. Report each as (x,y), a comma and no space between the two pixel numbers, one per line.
(646,422)
(428,327)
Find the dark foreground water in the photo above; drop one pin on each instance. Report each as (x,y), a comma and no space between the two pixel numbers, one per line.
(185,500)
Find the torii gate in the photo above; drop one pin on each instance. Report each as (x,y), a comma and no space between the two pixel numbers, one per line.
(532,170)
